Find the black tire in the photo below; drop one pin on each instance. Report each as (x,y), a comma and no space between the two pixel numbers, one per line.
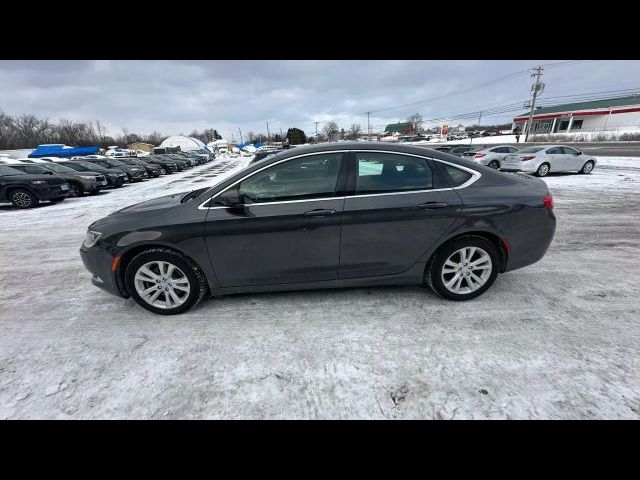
(542,172)
(75,190)
(197,280)
(587,168)
(494,164)
(23,198)
(433,272)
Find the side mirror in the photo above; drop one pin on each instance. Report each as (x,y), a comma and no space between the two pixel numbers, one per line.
(579,152)
(231,198)
(49,172)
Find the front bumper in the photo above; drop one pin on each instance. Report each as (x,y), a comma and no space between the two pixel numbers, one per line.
(98,262)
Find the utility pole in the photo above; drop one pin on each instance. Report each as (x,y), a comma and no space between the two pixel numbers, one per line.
(316,131)
(537,87)
(368,126)
(479,120)
(240,130)
(268,135)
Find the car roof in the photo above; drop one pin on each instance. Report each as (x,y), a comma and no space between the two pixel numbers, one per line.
(374,146)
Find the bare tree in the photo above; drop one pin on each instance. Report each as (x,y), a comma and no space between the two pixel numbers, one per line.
(354,131)
(415,123)
(331,131)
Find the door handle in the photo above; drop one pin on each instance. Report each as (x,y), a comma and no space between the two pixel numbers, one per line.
(431,205)
(319,212)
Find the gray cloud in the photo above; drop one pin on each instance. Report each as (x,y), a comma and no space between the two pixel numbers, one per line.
(179,96)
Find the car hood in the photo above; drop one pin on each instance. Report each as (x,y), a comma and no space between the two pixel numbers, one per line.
(159,203)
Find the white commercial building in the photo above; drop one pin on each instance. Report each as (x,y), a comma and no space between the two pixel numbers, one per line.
(614,114)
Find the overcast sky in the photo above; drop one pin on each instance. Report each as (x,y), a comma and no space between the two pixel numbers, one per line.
(179,96)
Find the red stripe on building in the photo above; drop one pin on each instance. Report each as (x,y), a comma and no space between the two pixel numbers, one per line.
(578,114)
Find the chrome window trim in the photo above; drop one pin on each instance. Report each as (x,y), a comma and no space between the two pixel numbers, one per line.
(475,176)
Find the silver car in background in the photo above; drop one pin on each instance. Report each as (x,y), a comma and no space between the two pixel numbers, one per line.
(542,159)
(493,156)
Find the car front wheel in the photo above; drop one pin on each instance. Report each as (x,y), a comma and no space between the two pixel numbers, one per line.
(22,198)
(464,268)
(587,167)
(164,281)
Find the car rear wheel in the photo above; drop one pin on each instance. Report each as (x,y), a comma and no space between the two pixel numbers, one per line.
(463,269)
(587,167)
(164,281)
(494,164)
(21,198)
(543,170)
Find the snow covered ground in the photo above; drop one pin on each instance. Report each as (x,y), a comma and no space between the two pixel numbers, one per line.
(558,339)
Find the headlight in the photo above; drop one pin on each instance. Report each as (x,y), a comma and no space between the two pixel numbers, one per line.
(92,177)
(91,238)
(38,182)
(113,175)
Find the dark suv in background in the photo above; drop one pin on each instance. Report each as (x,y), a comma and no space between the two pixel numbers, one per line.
(79,182)
(26,191)
(134,174)
(168,165)
(115,177)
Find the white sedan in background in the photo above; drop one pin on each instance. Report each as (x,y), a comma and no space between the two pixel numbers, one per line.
(491,156)
(542,159)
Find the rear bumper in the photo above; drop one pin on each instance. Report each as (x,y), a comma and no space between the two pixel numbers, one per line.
(529,239)
(527,167)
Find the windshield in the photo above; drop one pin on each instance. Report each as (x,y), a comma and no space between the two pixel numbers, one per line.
(115,163)
(54,167)
(530,150)
(86,166)
(4,170)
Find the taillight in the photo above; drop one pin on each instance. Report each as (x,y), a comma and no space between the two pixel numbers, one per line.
(480,155)
(548,201)
(526,158)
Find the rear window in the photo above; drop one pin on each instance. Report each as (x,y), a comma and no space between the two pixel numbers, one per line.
(456,176)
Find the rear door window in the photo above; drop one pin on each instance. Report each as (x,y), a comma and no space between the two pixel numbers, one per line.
(391,172)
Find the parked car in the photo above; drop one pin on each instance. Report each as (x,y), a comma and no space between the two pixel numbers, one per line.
(79,182)
(167,165)
(152,170)
(330,215)
(184,163)
(492,156)
(134,174)
(542,159)
(26,191)
(115,177)
(460,151)
(199,159)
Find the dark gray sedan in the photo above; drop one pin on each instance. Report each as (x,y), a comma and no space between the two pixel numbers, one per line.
(325,216)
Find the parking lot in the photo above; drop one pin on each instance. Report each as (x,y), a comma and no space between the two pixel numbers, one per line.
(558,339)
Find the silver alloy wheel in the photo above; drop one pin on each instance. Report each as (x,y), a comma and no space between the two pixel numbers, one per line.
(587,167)
(162,284)
(21,199)
(75,190)
(543,169)
(469,266)
(494,164)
